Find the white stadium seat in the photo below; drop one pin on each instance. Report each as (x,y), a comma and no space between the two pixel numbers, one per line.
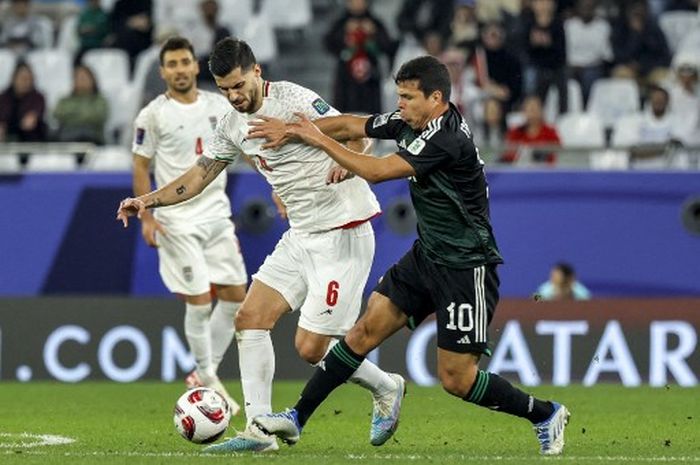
(51,162)
(9,163)
(676,25)
(575,101)
(613,98)
(53,74)
(287,14)
(68,35)
(235,14)
(8,62)
(626,131)
(111,68)
(581,130)
(261,38)
(109,158)
(691,42)
(124,105)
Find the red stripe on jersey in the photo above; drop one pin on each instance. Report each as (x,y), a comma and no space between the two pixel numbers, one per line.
(266,89)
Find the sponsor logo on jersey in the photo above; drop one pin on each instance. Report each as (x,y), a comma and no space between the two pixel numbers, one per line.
(464,340)
(140,135)
(212,121)
(381,120)
(328,311)
(187,273)
(321,106)
(402,144)
(416,146)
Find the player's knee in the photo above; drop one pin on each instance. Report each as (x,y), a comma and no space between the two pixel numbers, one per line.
(309,351)
(457,382)
(248,318)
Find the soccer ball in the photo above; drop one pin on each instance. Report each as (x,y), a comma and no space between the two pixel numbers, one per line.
(201,415)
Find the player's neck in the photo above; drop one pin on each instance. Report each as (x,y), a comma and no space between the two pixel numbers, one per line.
(437,111)
(183,97)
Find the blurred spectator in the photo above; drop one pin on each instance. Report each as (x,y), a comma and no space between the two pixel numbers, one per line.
(464,29)
(588,45)
(211,33)
(433,43)
(489,11)
(132,26)
(683,5)
(534,132)
(359,40)
(22,31)
(464,93)
(420,16)
(685,103)
(546,51)
(82,115)
(639,45)
(93,26)
(562,285)
(22,109)
(492,131)
(504,76)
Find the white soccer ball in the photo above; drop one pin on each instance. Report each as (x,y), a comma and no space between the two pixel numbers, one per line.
(201,415)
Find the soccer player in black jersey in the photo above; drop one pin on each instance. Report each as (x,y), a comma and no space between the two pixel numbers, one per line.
(449,271)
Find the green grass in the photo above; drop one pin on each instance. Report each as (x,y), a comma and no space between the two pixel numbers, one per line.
(132,423)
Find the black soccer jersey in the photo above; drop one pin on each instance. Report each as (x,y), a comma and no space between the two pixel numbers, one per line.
(449,191)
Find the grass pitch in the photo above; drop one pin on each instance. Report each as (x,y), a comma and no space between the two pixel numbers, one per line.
(132,423)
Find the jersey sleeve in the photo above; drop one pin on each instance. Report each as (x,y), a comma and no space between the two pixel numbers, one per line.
(384,126)
(308,102)
(222,147)
(430,153)
(145,135)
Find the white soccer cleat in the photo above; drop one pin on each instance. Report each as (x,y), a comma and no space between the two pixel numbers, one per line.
(251,439)
(385,413)
(550,433)
(284,425)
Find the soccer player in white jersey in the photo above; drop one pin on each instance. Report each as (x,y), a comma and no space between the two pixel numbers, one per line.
(196,241)
(319,266)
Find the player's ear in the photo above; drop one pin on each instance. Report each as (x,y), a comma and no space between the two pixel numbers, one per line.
(257,70)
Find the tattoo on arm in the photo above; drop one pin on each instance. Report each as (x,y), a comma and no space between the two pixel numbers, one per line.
(210,166)
(181,190)
(155,203)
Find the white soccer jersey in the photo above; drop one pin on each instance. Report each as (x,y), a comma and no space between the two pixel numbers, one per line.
(296,172)
(173,135)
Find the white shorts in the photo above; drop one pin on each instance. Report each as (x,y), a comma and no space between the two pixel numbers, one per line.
(323,275)
(192,257)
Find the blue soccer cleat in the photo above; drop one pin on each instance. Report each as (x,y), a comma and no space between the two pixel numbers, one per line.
(252,439)
(550,433)
(385,413)
(284,425)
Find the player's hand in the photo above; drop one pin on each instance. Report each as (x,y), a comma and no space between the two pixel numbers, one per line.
(130,207)
(338,174)
(305,130)
(149,227)
(273,130)
(281,207)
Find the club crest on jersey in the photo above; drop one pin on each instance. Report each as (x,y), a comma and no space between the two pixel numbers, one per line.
(187,273)
(416,146)
(212,121)
(321,106)
(140,135)
(381,120)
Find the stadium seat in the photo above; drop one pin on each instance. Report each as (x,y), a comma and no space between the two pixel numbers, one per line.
(235,14)
(53,73)
(111,68)
(287,14)
(8,61)
(575,102)
(110,158)
(581,130)
(613,98)
(9,163)
(124,104)
(68,35)
(626,131)
(676,25)
(409,48)
(45,26)
(144,61)
(261,38)
(691,42)
(51,162)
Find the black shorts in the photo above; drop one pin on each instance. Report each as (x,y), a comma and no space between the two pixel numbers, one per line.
(464,300)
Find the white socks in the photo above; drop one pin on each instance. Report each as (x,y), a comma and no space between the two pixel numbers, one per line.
(221,330)
(256,359)
(199,338)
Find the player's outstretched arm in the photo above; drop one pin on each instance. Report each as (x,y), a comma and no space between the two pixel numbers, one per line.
(373,169)
(342,128)
(189,184)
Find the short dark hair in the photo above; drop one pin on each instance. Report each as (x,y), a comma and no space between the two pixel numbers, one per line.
(566,269)
(229,54)
(175,43)
(430,73)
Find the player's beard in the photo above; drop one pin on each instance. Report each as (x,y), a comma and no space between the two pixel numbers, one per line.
(183,86)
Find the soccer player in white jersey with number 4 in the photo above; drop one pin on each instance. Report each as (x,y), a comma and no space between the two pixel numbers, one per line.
(319,266)
(196,241)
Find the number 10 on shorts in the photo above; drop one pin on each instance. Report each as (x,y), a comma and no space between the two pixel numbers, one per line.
(460,311)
